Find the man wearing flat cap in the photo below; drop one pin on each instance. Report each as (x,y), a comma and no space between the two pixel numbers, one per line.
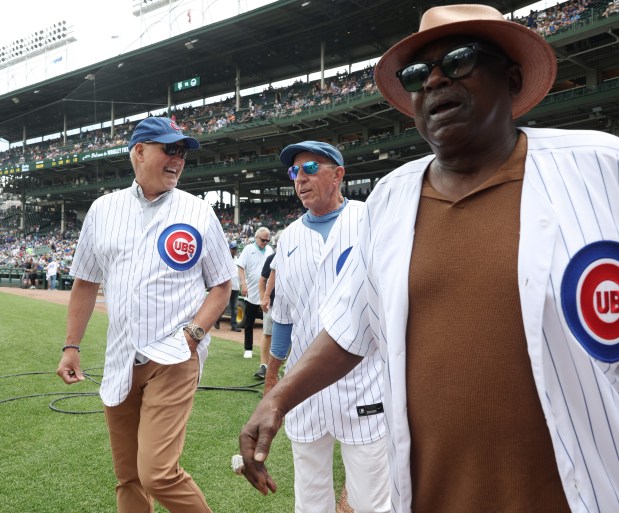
(152,247)
(310,254)
(501,343)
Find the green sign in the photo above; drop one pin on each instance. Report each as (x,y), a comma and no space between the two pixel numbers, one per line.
(186,84)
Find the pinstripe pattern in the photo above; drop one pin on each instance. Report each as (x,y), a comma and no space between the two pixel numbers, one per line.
(146,299)
(570,199)
(306,267)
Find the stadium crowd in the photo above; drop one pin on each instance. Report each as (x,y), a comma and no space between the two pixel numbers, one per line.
(278,103)
(43,238)
(560,17)
(266,105)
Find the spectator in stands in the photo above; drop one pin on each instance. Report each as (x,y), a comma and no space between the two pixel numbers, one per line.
(157,340)
(501,389)
(613,8)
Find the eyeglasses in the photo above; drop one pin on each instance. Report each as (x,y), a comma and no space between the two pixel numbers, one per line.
(264,240)
(456,63)
(310,168)
(172,149)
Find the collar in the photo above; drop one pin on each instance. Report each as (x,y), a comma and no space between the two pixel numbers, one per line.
(136,190)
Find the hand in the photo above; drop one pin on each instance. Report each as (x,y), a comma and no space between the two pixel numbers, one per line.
(265,302)
(191,343)
(69,367)
(255,441)
(244,290)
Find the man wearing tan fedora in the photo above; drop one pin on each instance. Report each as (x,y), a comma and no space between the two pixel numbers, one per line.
(501,348)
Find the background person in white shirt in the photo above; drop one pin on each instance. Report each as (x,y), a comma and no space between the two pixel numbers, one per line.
(234,292)
(52,273)
(250,265)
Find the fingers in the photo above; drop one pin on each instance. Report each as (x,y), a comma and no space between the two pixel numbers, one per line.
(255,442)
(69,375)
(259,478)
(69,370)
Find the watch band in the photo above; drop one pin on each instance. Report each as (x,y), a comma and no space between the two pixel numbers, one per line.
(196,332)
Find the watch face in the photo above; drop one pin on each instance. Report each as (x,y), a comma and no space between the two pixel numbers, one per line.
(199,332)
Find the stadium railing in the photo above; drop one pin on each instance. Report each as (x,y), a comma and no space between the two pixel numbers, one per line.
(14,276)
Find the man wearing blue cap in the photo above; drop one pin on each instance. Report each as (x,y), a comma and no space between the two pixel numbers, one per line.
(311,252)
(153,249)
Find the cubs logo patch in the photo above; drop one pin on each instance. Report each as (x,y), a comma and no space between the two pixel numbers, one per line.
(590,299)
(179,246)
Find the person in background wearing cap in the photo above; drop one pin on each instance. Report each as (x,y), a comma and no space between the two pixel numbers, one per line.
(310,254)
(234,292)
(266,287)
(500,339)
(153,248)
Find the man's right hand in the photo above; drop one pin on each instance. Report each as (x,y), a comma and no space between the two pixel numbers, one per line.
(69,367)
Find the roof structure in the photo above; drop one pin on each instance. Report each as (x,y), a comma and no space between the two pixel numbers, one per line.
(276,42)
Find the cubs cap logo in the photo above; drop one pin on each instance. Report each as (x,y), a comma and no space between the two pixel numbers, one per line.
(590,299)
(180,246)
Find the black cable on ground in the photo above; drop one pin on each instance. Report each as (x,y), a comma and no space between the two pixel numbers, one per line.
(72,395)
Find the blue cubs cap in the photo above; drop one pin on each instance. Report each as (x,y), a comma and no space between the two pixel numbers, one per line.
(319,148)
(161,130)
(232,245)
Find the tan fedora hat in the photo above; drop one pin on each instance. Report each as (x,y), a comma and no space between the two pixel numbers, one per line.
(522,45)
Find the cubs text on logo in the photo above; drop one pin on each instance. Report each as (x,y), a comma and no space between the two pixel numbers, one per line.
(180,246)
(590,299)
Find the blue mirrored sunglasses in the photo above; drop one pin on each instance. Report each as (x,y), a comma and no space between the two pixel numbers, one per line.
(309,168)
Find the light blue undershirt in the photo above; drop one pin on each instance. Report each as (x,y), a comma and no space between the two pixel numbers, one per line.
(322,224)
(281,338)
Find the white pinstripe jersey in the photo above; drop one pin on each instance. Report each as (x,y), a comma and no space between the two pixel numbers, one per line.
(252,261)
(154,277)
(306,268)
(568,275)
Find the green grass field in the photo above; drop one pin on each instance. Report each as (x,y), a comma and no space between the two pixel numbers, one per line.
(52,462)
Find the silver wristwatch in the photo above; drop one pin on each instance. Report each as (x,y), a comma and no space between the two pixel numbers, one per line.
(195,331)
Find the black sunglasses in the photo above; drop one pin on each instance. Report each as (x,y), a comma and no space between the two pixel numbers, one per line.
(172,149)
(456,63)
(264,240)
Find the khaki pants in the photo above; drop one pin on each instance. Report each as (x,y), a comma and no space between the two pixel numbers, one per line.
(147,434)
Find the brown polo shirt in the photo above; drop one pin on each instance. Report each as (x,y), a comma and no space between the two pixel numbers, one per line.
(480,443)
